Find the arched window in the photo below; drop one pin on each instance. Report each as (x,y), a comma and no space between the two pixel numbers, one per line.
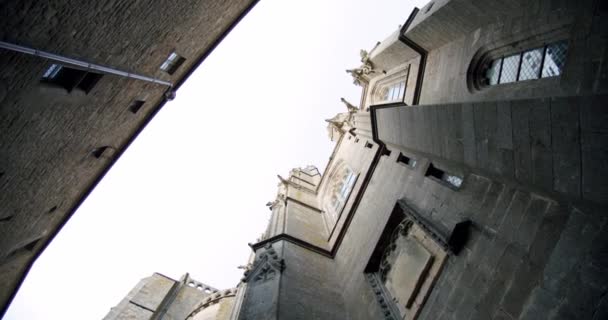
(392,88)
(393,92)
(342,190)
(543,62)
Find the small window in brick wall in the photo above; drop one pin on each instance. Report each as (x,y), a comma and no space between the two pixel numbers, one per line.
(173,62)
(136,105)
(451,180)
(70,78)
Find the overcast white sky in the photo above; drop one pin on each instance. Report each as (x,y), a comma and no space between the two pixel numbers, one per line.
(190,192)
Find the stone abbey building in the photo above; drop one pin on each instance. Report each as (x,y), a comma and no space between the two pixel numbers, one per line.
(469,183)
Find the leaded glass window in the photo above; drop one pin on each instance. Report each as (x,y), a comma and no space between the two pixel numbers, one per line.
(530,64)
(544,62)
(555,58)
(510,65)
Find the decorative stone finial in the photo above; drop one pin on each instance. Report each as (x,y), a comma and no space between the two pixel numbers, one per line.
(351,108)
(283,181)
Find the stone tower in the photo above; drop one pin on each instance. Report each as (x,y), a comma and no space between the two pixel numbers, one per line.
(75,91)
(160,297)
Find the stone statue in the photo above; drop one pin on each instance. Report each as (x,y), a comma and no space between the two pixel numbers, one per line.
(357,75)
(365,69)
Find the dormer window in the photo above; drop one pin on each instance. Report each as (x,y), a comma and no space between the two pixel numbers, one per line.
(543,62)
(70,78)
(173,62)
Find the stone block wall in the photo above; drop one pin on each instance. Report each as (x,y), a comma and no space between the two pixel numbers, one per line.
(56,145)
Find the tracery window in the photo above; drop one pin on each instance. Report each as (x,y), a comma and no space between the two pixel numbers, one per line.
(543,62)
(339,188)
(342,191)
(408,259)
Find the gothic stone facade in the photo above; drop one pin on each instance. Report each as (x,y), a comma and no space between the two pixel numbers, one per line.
(468,184)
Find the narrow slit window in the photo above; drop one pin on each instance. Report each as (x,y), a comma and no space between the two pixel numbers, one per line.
(173,62)
(406,160)
(452,180)
(369,145)
(99,152)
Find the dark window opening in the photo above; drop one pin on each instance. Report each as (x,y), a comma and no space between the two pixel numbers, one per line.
(70,78)
(356,140)
(97,153)
(173,62)
(450,179)
(406,160)
(30,246)
(386,152)
(53,209)
(136,105)
(369,145)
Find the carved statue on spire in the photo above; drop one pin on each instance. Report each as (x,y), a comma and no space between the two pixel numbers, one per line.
(351,108)
(367,66)
(357,75)
(364,70)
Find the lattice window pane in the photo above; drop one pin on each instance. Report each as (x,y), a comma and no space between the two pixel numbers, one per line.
(493,72)
(509,69)
(530,64)
(555,58)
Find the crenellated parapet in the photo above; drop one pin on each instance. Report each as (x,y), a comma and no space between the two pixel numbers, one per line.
(212,300)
